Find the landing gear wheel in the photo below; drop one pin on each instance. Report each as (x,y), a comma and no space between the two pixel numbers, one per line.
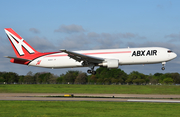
(89,71)
(163,68)
(93,72)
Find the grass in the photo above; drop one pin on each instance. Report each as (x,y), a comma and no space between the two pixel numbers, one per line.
(101,89)
(87,109)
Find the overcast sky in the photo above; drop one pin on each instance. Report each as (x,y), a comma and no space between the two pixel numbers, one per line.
(50,25)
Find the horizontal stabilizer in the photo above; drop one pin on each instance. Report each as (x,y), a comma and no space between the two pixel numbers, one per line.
(22,59)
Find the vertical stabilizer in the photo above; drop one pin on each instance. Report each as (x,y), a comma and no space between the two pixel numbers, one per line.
(21,48)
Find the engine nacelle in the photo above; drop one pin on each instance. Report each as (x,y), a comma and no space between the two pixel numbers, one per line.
(110,63)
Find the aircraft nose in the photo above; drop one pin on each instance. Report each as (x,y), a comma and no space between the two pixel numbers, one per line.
(174,55)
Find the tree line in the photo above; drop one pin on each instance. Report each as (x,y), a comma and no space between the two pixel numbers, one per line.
(103,76)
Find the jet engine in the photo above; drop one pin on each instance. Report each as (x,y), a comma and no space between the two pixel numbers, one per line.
(110,63)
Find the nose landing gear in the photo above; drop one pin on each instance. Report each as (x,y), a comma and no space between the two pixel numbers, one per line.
(163,64)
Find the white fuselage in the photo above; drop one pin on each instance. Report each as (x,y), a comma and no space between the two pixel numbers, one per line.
(110,58)
(126,56)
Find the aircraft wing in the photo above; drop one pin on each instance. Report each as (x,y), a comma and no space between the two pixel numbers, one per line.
(82,57)
(18,58)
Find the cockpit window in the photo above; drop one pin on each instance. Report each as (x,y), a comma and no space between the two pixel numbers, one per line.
(169,51)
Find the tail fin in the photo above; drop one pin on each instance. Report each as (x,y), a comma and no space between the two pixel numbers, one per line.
(21,48)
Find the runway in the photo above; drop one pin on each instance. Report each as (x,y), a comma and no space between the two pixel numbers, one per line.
(91,97)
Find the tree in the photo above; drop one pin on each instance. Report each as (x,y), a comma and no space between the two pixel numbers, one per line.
(38,80)
(70,76)
(138,81)
(11,77)
(115,81)
(21,79)
(129,81)
(176,77)
(159,77)
(99,81)
(107,81)
(52,80)
(92,79)
(168,80)
(136,77)
(1,79)
(47,77)
(29,78)
(60,79)
(153,81)
(120,80)
(81,78)
(44,77)
(110,75)
(132,76)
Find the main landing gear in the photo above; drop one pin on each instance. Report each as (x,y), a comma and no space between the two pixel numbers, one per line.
(91,71)
(91,65)
(163,64)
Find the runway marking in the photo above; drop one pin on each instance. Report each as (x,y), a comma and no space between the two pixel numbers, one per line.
(166,101)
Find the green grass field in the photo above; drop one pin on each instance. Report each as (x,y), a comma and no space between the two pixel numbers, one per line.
(87,109)
(101,89)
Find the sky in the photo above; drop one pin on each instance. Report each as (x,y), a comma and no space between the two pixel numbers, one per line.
(52,25)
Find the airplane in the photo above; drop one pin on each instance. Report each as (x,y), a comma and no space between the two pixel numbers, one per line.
(110,58)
